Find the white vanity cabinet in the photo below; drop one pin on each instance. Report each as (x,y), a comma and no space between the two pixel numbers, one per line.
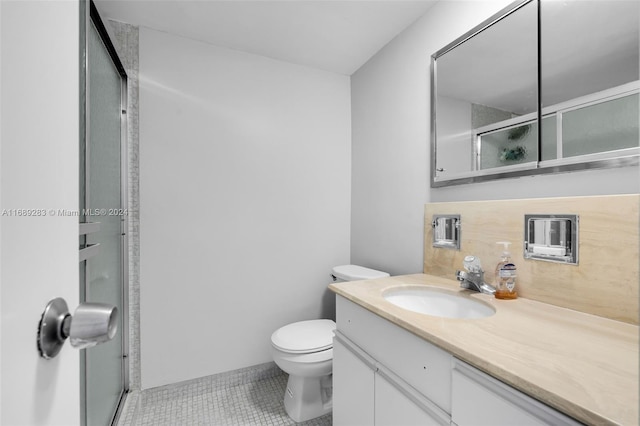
(366,393)
(385,375)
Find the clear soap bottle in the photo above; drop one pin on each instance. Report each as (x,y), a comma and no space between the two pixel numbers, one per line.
(505,277)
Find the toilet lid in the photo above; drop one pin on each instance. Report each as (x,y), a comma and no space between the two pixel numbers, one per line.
(355,272)
(304,336)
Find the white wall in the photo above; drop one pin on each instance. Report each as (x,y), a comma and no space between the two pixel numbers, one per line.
(391,154)
(39,170)
(244,209)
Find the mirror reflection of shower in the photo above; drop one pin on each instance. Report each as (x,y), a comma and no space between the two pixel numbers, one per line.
(487,93)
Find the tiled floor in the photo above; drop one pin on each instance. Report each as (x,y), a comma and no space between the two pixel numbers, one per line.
(206,403)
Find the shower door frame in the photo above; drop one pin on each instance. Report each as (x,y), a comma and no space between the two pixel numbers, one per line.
(89,16)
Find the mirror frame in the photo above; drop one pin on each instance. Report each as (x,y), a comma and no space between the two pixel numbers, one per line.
(605,163)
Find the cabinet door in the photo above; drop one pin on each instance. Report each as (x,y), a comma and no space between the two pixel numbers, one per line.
(353,387)
(394,407)
(480,400)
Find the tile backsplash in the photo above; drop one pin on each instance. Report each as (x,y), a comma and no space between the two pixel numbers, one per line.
(606,280)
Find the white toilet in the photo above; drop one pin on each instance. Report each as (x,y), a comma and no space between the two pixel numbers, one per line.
(304,350)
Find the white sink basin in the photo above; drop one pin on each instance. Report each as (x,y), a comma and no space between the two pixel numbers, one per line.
(438,302)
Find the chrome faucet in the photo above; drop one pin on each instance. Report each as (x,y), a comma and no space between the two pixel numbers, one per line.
(473,278)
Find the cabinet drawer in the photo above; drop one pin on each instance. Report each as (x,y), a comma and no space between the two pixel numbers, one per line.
(422,365)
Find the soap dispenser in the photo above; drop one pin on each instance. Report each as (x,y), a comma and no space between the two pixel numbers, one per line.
(505,278)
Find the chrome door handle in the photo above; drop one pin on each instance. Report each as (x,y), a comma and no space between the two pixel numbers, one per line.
(91,324)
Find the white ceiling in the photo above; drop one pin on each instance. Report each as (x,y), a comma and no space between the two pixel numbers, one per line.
(333,35)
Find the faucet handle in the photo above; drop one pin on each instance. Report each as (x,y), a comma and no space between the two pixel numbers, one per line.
(472,264)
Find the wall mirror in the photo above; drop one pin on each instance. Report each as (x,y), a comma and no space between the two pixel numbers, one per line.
(544,86)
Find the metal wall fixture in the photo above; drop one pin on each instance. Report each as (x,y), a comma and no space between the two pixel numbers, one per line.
(91,324)
(552,237)
(446,231)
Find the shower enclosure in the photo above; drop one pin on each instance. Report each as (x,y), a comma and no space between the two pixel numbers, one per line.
(103,214)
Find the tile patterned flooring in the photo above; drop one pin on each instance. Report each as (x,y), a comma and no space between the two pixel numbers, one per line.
(221,401)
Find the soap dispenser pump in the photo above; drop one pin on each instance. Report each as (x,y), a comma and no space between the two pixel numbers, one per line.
(505,278)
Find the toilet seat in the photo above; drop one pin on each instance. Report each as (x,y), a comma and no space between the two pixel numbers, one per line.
(304,337)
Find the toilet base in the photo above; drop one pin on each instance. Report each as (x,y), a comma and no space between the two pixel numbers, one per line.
(308,397)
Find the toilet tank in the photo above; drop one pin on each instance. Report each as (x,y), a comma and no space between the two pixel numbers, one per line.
(355,272)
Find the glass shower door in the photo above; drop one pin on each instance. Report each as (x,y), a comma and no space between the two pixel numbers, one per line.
(103,274)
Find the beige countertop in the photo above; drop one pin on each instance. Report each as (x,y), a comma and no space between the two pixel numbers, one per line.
(583,365)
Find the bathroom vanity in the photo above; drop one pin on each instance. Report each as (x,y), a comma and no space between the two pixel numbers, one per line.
(530,363)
